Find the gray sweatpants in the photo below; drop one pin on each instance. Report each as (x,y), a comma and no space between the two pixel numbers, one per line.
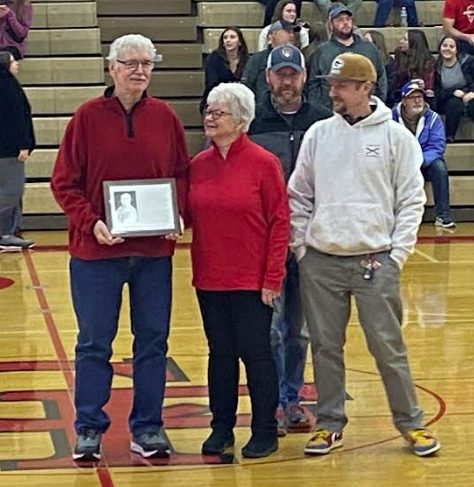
(12,184)
(327,284)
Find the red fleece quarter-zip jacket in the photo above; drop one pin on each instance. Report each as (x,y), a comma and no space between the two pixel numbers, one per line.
(240,217)
(103,143)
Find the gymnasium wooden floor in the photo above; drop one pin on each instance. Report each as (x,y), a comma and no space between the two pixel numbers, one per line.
(37,335)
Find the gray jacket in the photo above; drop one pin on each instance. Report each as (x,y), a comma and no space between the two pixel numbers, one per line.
(320,64)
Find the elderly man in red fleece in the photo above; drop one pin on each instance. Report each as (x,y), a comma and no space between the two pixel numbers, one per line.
(123,135)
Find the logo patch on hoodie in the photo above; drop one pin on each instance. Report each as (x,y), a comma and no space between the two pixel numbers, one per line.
(372,151)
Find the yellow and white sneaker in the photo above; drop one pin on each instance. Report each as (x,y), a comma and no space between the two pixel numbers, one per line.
(422,442)
(323,442)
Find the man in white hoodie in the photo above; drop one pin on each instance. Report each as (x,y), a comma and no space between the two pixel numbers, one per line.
(357,199)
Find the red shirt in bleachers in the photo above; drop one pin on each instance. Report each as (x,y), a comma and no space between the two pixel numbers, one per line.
(462,11)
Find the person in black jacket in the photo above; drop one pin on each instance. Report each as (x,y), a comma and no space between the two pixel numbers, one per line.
(227,63)
(17,140)
(280,33)
(454,85)
(281,120)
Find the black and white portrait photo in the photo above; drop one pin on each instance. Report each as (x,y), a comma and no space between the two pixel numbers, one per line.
(126,207)
(141,207)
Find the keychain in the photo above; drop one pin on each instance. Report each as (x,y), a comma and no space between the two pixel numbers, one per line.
(370,265)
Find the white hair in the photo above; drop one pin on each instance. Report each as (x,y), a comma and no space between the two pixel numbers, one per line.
(130,41)
(240,100)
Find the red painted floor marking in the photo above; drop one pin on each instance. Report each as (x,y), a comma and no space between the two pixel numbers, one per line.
(103,471)
(446,239)
(50,324)
(5,282)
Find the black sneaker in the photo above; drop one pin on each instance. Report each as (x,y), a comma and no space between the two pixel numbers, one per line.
(444,222)
(87,446)
(259,447)
(151,445)
(10,241)
(218,442)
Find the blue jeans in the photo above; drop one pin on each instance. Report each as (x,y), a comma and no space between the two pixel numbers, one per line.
(289,337)
(465,47)
(384,8)
(437,173)
(96,288)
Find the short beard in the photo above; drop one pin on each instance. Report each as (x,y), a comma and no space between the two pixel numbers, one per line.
(283,100)
(341,108)
(344,37)
(415,112)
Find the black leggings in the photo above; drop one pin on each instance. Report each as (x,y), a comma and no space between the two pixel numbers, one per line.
(237,325)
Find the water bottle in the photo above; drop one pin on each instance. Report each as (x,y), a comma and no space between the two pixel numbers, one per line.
(403,17)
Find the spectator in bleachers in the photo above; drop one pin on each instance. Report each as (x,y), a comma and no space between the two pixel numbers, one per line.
(458,22)
(384,8)
(227,63)
(280,33)
(8,58)
(272,5)
(318,34)
(325,5)
(378,40)
(240,217)
(454,85)
(17,141)
(123,135)
(413,60)
(280,123)
(15,22)
(426,125)
(342,40)
(286,12)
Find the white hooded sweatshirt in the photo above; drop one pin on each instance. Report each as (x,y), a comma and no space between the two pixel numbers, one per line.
(357,189)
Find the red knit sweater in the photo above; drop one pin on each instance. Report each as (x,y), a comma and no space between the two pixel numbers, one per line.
(103,143)
(240,217)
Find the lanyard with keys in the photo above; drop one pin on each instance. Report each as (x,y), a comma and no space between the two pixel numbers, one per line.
(370,265)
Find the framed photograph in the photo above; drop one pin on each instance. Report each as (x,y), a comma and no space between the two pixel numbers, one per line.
(141,208)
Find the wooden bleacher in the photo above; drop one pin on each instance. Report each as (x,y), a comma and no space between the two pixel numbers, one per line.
(63,69)
(65,66)
(172,26)
(214,15)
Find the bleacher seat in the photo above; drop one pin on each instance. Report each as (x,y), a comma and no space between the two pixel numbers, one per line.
(60,100)
(60,42)
(65,67)
(143,7)
(156,28)
(251,14)
(62,71)
(65,14)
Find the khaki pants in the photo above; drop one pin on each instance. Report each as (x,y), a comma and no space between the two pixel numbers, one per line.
(327,284)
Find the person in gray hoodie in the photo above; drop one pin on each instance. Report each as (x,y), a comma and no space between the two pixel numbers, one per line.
(356,200)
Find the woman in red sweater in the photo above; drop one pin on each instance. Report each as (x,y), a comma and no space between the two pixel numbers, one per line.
(239,212)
